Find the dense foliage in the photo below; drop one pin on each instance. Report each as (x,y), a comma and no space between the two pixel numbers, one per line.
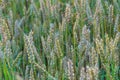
(59,39)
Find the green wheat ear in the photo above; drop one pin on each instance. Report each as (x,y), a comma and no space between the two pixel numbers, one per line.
(17,58)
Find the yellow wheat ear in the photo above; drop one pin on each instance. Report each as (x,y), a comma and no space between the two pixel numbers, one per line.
(70,71)
(31,74)
(28,40)
(4,30)
(69,68)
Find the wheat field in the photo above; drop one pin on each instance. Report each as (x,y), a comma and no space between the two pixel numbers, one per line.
(59,39)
